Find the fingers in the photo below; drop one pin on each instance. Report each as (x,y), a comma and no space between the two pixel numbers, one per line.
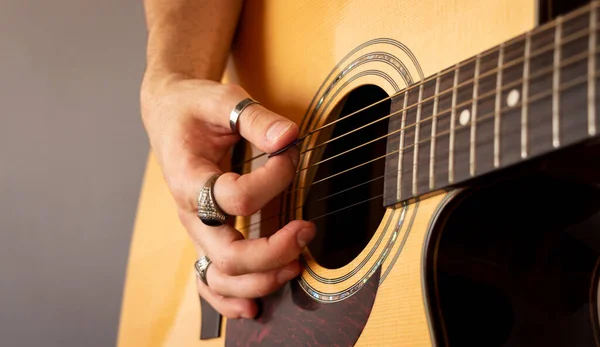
(241,195)
(230,295)
(232,285)
(236,195)
(241,269)
(246,194)
(233,255)
(253,285)
(266,130)
(230,307)
(241,256)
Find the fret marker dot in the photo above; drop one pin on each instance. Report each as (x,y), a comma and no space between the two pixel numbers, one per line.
(512,98)
(464,117)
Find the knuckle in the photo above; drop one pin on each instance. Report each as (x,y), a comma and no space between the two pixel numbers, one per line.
(233,89)
(213,281)
(259,292)
(230,92)
(179,179)
(181,195)
(244,204)
(181,198)
(250,118)
(220,304)
(281,253)
(280,261)
(226,263)
(266,286)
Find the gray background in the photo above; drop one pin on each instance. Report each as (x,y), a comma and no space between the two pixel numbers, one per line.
(72,157)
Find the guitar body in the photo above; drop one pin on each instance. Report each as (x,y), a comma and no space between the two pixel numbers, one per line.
(456,266)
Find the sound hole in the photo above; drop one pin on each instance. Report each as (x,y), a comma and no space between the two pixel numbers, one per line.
(347,208)
(516,265)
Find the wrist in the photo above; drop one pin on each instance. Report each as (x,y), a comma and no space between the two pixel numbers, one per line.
(154,90)
(157,79)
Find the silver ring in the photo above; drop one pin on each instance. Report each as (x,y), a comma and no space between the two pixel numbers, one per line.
(237,111)
(201,266)
(209,211)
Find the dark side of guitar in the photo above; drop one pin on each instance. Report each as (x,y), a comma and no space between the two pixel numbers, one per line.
(516,263)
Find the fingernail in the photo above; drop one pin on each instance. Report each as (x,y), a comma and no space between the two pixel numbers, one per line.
(278,129)
(285,275)
(304,236)
(247,316)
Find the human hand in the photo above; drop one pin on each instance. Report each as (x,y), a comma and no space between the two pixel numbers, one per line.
(187,121)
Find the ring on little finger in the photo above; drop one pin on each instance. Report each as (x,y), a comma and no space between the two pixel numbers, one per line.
(201,266)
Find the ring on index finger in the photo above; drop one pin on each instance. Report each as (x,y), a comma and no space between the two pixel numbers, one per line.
(209,211)
(237,111)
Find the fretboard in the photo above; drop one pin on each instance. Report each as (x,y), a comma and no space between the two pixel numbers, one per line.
(526,97)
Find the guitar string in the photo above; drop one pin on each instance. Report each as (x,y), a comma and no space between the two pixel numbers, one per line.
(478,120)
(537,52)
(487,116)
(319,200)
(539,74)
(571,60)
(483,118)
(534,54)
(532,77)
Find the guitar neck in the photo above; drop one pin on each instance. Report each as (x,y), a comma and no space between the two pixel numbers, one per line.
(523,98)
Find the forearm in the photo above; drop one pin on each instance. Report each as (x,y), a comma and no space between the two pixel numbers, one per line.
(190,38)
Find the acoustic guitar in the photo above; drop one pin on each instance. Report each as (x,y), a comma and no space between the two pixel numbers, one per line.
(449,160)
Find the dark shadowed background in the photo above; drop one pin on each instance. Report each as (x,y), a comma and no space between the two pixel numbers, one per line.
(72,156)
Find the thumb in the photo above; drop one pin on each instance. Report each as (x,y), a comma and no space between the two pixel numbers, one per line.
(265,129)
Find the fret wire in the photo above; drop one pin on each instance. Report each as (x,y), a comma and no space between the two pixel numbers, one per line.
(433,135)
(566,17)
(591,80)
(416,151)
(555,85)
(537,30)
(401,144)
(473,118)
(490,115)
(452,121)
(540,73)
(512,62)
(525,107)
(549,47)
(591,75)
(497,108)
(542,28)
(485,117)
